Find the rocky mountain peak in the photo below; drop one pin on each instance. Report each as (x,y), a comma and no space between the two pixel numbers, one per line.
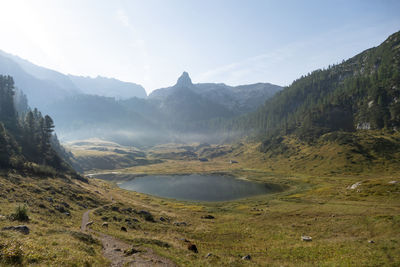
(184,80)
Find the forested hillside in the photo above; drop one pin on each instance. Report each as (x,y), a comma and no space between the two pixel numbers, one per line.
(361,93)
(27,142)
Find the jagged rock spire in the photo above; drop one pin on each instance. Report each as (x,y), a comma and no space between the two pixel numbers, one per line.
(184,80)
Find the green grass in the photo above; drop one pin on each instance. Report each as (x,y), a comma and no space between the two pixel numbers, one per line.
(54,238)
(340,221)
(316,202)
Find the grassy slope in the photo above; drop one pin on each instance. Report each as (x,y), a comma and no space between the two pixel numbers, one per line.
(318,203)
(95,154)
(269,227)
(54,237)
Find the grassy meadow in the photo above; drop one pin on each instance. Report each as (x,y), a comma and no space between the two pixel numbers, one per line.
(349,227)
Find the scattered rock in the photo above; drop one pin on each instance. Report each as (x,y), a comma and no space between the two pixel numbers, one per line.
(143,212)
(180,224)
(20,228)
(209,255)
(89,223)
(247,257)
(393,182)
(131,251)
(2,217)
(104,218)
(354,186)
(192,247)
(65,204)
(371,241)
(115,208)
(233,161)
(163,219)
(105,225)
(67,213)
(60,209)
(127,210)
(306,238)
(123,229)
(146,215)
(117,249)
(208,217)
(203,159)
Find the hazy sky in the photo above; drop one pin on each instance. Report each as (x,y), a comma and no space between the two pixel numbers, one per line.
(152,41)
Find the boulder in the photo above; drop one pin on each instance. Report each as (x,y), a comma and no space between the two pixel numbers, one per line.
(306,238)
(192,247)
(146,215)
(354,186)
(114,208)
(180,224)
(60,208)
(131,251)
(19,228)
(105,225)
(247,257)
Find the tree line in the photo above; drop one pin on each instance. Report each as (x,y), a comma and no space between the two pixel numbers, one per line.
(27,139)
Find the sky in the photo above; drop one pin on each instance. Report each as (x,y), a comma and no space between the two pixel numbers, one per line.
(151,42)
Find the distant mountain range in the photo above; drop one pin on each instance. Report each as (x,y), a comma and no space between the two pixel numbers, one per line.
(361,93)
(85,107)
(184,112)
(44,86)
(234,99)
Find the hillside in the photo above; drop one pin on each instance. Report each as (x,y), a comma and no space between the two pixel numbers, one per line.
(359,94)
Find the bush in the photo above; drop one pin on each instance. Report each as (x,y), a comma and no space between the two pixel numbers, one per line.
(20,214)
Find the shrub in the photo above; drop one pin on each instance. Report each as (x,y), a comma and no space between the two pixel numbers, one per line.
(20,214)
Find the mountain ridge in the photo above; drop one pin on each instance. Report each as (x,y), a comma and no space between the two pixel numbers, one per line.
(359,94)
(44,86)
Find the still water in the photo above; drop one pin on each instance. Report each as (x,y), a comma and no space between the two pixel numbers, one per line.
(196,187)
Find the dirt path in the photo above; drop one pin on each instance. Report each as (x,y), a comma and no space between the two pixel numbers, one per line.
(113,249)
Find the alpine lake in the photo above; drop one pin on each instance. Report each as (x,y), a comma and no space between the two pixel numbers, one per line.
(193,187)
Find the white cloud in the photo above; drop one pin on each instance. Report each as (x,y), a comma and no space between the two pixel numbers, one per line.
(123,18)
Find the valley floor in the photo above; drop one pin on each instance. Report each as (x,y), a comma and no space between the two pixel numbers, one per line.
(356,227)
(348,226)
